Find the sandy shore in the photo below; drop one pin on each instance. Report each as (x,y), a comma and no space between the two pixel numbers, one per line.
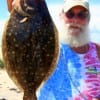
(8,90)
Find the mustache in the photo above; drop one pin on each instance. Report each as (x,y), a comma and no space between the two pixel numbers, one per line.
(75,25)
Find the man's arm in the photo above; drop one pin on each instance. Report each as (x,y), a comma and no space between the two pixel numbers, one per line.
(98,52)
(96,99)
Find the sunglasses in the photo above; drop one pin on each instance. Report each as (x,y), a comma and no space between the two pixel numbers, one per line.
(81,15)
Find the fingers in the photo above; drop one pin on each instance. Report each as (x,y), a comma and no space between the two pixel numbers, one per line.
(12,3)
(9,5)
(15,3)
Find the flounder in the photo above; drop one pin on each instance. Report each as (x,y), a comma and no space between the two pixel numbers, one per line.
(30,46)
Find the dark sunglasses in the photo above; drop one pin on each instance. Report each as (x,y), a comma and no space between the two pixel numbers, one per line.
(81,15)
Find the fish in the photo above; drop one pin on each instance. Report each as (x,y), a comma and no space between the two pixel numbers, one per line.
(30,46)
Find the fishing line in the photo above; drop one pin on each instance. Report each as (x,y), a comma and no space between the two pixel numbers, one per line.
(72,80)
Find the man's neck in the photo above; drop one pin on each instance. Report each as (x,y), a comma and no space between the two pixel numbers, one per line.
(82,49)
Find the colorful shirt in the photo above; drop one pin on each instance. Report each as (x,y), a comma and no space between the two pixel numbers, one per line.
(76,77)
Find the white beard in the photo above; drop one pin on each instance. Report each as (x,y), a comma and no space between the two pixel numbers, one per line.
(77,40)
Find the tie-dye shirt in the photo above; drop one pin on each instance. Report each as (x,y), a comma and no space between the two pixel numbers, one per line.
(76,77)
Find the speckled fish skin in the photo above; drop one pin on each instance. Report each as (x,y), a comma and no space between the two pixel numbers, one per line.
(30,46)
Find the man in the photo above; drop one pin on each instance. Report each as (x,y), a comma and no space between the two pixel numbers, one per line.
(77,75)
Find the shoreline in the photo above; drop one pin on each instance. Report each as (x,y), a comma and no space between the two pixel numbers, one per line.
(8,90)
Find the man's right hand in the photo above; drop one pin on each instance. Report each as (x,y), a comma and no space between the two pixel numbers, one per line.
(12,3)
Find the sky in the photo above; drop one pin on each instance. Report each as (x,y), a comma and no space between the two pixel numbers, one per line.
(4,12)
(54,7)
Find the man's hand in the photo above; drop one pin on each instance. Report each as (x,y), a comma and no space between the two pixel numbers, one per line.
(12,3)
(9,5)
